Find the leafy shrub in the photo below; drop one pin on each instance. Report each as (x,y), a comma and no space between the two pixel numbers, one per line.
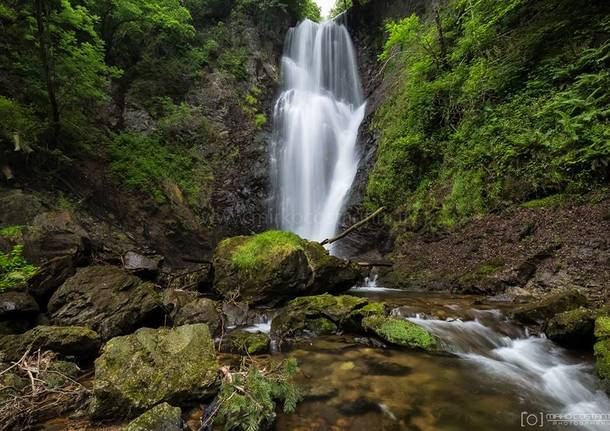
(247,399)
(14,269)
(502,106)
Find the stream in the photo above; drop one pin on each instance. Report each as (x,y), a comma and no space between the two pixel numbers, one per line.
(496,376)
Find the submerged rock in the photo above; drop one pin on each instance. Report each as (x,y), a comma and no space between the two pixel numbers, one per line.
(572,328)
(77,341)
(540,311)
(136,372)
(162,417)
(106,299)
(275,266)
(322,314)
(400,332)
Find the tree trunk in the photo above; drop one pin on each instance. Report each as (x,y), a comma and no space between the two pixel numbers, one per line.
(42,17)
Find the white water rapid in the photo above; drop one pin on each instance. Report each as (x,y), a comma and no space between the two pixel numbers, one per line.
(532,367)
(316,121)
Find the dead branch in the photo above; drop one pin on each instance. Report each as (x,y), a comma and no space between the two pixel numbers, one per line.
(353,228)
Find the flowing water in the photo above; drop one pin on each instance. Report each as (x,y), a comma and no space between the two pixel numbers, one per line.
(316,121)
(495,376)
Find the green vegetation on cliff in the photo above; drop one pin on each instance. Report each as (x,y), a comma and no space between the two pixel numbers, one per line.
(492,103)
(14,269)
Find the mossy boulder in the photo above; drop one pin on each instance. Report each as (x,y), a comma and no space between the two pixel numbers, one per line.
(246,343)
(162,417)
(541,311)
(322,314)
(572,328)
(136,372)
(108,300)
(274,266)
(602,347)
(400,332)
(80,342)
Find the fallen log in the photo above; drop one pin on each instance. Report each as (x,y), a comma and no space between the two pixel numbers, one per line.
(353,228)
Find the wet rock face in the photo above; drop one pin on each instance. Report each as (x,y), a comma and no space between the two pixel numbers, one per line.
(146,266)
(275,266)
(162,417)
(138,371)
(77,341)
(541,311)
(572,328)
(18,208)
(106,299)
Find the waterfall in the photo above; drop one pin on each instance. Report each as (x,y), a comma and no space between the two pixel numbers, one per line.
(316,121)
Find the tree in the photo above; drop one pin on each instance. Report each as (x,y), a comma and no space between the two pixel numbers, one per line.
(56,60)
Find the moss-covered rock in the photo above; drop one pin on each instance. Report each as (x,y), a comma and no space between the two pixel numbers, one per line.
(186,308)
(542,310)
(602,359)
(136,372)
(274,266)
(246,343)
(400,332)
(77,341)
(322,314)
(108,300)
(602,327)
(162,417)
(572,328)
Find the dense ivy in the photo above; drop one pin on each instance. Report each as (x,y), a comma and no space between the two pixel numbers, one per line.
(492,103)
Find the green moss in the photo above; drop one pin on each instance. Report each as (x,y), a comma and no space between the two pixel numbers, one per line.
(546,202)
(602,358)
(400,332)
(321,326)
(602,327)
(258,249)
(14,269)
(249,342)
(160,417)
(11,232)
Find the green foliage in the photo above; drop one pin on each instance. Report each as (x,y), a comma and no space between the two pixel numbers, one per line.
(14,269)
(144,163)
(11,231)
(507,106)
(265,246)
(44,49)
(247,402)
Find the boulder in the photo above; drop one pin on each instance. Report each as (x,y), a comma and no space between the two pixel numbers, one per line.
(246,343)
(572,328)
(542,310)
(136,372)
(400,332)
(275,266)
(53,234)
(186,307)
(162,417)
(17,305)
(108,300)
(18,208)
(77,341)
(144,266)
(322,314)
(49,277)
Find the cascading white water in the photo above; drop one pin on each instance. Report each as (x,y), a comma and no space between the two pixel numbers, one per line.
(534,366)
(316,121)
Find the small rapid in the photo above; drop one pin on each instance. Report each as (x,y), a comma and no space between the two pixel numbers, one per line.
(529,366)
